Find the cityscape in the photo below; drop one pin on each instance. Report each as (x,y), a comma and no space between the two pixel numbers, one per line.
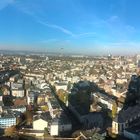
(69,70)
(69,97)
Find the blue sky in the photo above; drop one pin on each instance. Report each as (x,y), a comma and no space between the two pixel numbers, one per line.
(77,26)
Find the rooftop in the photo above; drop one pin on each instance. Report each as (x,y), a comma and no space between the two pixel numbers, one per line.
(7,115)
(44,116)
(129,113)
(134,130)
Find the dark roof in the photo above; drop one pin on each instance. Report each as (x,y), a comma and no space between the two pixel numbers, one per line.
(125,115)
(5,138)
(64,119)
(7,115)
(134,130)
(44,116)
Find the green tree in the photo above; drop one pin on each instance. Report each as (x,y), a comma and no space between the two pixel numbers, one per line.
(61,95)
(97,136)
(46,132)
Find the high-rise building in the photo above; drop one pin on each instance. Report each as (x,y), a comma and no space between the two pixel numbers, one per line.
(138,61)
(109,57)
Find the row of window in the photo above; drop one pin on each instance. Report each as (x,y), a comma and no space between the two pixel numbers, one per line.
(7,124)
(7,121)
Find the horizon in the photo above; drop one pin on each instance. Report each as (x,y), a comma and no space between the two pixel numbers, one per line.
(60,54)
(77,27)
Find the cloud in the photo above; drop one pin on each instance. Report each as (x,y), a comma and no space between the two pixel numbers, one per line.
(29,11)
(86,34)
(5,3)
(62,29)
(66,31)
(114,28)
(109,28)
(113,19)
(119,28)
(33,12)
(130,28)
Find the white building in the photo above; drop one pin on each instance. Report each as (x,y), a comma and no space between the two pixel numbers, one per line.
(34,75)
(104,99)
(14,78)
(23,67)
(43,86)
(18,92)
(40,122)
(61,86)
(7,120)
(54,128)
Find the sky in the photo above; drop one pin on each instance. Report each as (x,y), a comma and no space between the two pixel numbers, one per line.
(71,26)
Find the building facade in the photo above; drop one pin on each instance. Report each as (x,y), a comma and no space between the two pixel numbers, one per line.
(7,120)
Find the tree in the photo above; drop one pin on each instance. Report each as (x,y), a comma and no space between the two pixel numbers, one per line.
(97,136)
(46,132)
(61,95)
(65,98)
(8,100)
(29,117)
(114,110)
(10,131)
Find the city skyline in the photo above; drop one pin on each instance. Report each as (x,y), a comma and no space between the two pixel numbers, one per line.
(77,26)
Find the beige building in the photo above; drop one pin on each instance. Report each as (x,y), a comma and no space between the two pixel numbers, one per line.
(40,124)
(18,92)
